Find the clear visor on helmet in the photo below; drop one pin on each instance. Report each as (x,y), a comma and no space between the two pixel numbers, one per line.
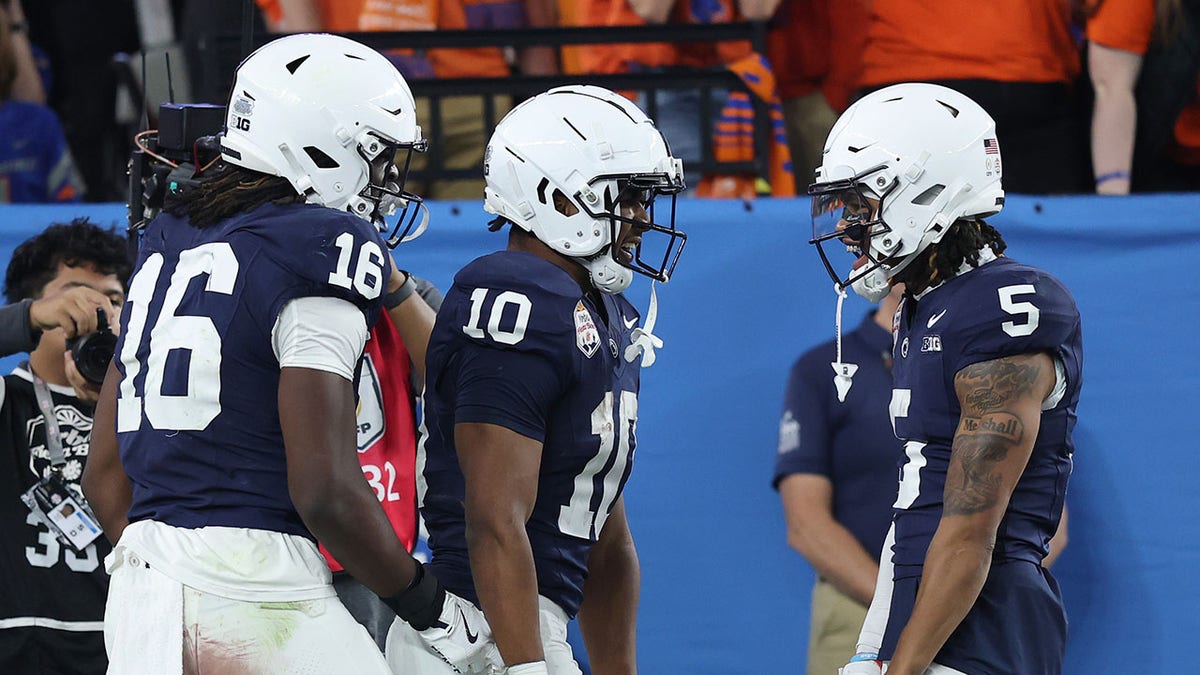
(385,188)
(845,211)
(631,200)
(841,212)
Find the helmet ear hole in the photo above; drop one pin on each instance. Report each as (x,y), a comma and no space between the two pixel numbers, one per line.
(322,160)
(563,204)
(931,193)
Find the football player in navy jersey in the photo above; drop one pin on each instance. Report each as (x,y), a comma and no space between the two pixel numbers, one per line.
(531,397)
(987,374)
(225,433)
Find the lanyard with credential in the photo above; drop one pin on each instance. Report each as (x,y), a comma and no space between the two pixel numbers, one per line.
(53,435)
(60,506)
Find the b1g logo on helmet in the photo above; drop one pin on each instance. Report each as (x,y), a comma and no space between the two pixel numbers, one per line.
(487,159)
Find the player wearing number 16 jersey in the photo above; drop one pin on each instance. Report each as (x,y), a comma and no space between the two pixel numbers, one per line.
(225,431)
(531,396)
(987,374)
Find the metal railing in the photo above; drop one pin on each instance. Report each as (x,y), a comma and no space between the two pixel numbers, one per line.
(219,51)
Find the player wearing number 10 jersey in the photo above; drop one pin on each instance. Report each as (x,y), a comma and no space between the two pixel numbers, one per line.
(531,397)
(988,369)
(231,400)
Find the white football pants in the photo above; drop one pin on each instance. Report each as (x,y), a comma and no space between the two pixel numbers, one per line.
(154,625)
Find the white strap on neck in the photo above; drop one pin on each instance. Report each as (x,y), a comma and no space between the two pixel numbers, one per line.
(843,375)
(643,340)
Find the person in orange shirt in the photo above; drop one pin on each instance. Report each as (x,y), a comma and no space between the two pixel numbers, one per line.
(1017,59)
(814,48)
(1139,141)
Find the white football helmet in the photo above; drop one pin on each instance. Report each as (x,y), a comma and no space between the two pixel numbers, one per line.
(329,115)
(925,154)
(596,149)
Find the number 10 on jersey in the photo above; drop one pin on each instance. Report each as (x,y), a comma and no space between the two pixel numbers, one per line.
(616,432)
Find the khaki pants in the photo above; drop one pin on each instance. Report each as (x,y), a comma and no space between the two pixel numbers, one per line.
(809,119)
(833,636)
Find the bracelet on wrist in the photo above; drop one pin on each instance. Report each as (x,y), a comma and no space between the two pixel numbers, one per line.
(1111,175)
(392,300)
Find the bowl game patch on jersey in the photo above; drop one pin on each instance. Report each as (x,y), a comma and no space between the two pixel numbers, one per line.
(587,338)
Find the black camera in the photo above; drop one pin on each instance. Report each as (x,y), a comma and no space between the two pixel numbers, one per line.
(94,351)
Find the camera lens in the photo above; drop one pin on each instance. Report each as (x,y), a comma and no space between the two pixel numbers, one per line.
(92,352)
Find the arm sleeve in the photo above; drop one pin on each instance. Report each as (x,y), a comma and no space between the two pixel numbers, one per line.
(804,426)
(321,333)
(16,335)
(508,388)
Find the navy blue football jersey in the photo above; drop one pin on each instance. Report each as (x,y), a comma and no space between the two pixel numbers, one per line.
(197,408)
(518,344)
(1002,308)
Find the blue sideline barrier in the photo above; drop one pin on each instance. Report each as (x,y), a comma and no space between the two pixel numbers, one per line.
(721,592)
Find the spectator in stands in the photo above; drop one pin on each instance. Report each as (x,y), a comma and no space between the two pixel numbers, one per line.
(814,48)
(679,111)
(35,163)
(52,607)
(1143,58)
(27,84)
(459,131)
(1017,59)
(80,38)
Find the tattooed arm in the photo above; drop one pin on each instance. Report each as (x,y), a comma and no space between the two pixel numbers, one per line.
(1001,410)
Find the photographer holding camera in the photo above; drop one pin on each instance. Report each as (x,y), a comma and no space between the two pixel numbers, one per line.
(53,587)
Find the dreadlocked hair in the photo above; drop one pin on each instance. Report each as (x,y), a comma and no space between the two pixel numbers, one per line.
(226,190)
(961,245)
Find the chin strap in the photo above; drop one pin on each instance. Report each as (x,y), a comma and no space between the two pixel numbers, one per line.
(643,340)
(843,372)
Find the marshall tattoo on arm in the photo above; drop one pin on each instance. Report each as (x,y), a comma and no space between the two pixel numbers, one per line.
(991,426)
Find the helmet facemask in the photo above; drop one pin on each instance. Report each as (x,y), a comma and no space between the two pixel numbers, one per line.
(656,260)
(384,192)
(850,212)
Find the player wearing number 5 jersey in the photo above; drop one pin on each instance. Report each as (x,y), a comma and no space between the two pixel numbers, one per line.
(531,397)
(225,432)
(988,366)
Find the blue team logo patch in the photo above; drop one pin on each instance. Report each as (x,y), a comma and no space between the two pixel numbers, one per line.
(587,338)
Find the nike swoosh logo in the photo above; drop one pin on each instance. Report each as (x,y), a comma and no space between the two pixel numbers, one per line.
(471,637)
(630,323)
(935,318)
